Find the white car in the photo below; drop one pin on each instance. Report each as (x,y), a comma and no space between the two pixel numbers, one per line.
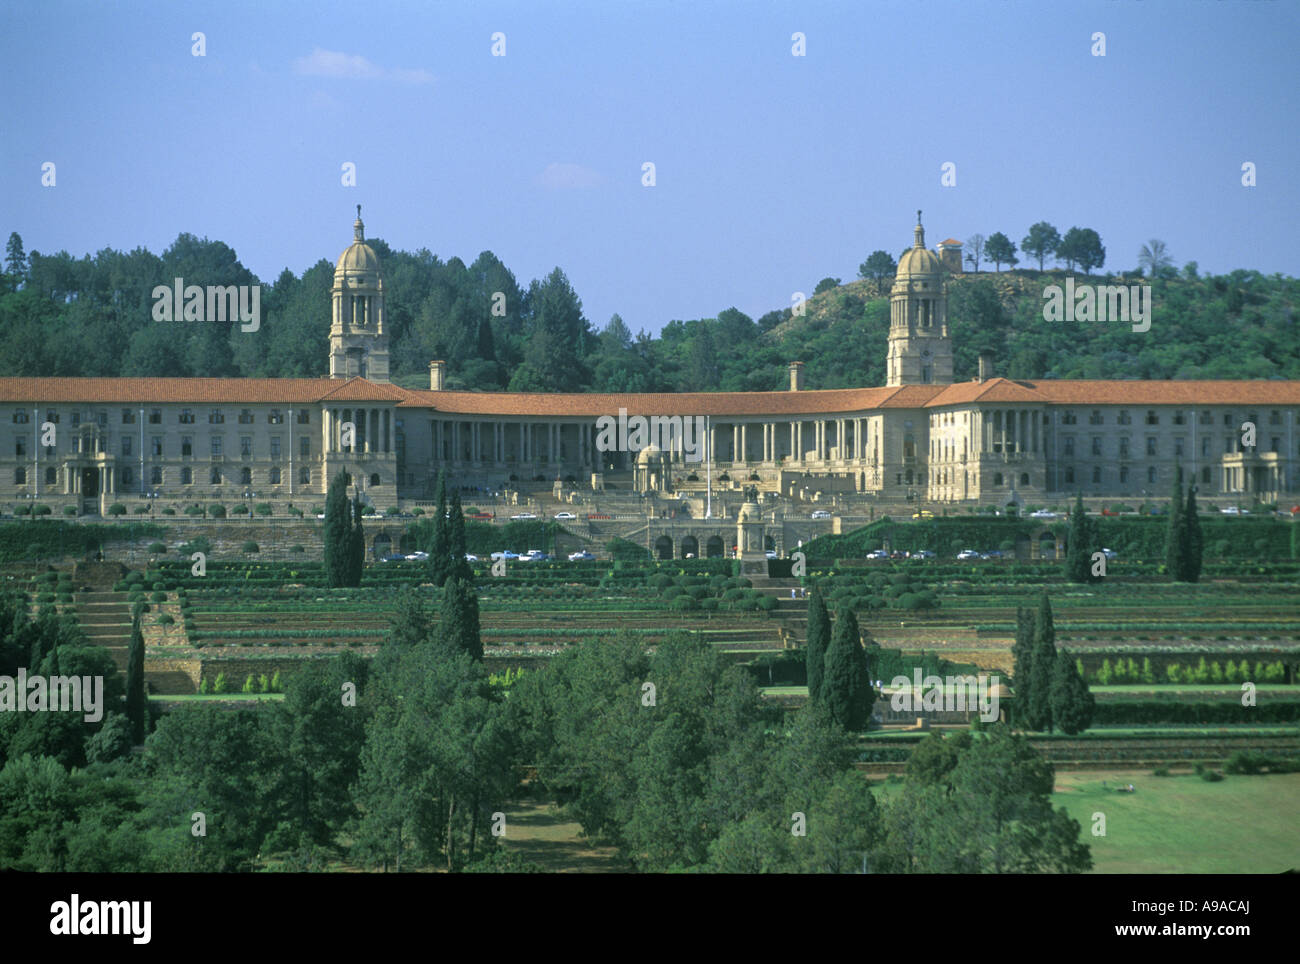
(506,554)
(820,514)
(531,555)
(878,554)
(581,556)
(470,557)
(418,556)
(771,553)
(1235,510)
(1043,514)
(967,554)
(1110,553)
(522,516)
(565,516)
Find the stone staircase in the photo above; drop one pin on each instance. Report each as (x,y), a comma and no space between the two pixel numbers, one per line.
(105,618)
(792,613)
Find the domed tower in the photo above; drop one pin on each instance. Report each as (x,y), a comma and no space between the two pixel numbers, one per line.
(358,338)
(920,350)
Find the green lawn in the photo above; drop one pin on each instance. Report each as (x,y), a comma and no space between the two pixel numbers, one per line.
(1181,824)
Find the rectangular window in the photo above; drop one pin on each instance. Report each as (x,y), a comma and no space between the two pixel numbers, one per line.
(127,475)
(1069,475)
(1123,475)
(128,417)
(1178,447)
(187,445)
(155,475)
(246,445)
(20,417)
(1205,475)
(1227,418)
(1096,445)
(1095,418)
(1152,417)
(1207,417)
(126,445)
(275,417)
(102,419)
(20,446)
(304,416)
(215,417)
(1096,474)
(275,446)
(1227,444)
(1123,448)
(1205,446)
(1151,474)
(1275,417)
(187,417)
(52,416)
(1069,446)
(304,446)
(156,443)
(1276,444)
(245,417)
(304,476)
(1125,418)
(1151,446)
(1069,418)
(155,416)
(187,476)
(216,445)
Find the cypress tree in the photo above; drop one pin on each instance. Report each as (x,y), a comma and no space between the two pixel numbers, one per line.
(459,627)
(1078,555)
(460,569)
(1175,536)
(819,637)
(440,550)
(356,546)
(338,535)
(136,705)
(1022,652)
(846,688)
(1039,704)
(1071,700)
(1193,541)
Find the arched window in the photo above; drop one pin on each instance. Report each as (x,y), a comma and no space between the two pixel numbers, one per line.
(155,475)
(304,476)
(997,478)
(1024,478)
(245,476)
(374,479)
(215,476)
(187,476)
(274,475)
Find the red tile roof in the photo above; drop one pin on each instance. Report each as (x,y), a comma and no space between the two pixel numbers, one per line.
(286,391)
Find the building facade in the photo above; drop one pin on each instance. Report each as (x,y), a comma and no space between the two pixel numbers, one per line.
(91,442)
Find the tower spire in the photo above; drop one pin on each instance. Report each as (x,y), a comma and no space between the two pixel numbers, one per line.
(358,229)
(918,235)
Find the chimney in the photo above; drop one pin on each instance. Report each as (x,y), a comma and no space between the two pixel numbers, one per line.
(986,366)
(796,376)
(437,376)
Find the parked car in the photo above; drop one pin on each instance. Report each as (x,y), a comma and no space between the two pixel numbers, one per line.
(898,554)
(878,554)
(565,516)
(1049,514)
(992,554)
(581,556)
(1110,553)
(967,554)
(1234,510)
(419,556)
(820,514)
(393,557)
(923,554)
(470,557)
(923,514)
(771,553)
(521,516)
(480,516)
(506,554)
(531,555)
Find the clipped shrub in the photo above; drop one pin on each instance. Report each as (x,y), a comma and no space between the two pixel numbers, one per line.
(158,597)
(117,508)
(240,509)
(262,508)
(250,546)
(69,510)
(217,511)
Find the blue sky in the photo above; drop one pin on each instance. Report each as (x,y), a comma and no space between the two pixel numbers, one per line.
(773,171)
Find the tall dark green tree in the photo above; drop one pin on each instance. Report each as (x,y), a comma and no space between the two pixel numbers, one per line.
(819,637)
(1039,702)
(1071,700)
(846,687)
(1175,535)
(338,534)
(460,569)
(1022,654)
(356,546)
(1082,539)
(459,625)
(136,704)
(440,549)
(1193,541)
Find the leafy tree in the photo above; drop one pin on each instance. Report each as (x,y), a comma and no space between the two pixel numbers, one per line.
(1154,258)
(1041,242)
(1081,246)
(819,635)
(975,250)
(846,687)
(1000,250)
(1071,700)
(826,284)
(878,266)
(137,706)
